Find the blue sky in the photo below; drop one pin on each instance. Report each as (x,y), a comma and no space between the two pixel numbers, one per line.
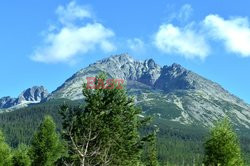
(45,42)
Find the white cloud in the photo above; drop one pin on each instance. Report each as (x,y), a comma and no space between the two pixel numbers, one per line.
(184,41)
(70,41)
(71,12)
(234,33)
(192,41)
(63,44)
(136,45)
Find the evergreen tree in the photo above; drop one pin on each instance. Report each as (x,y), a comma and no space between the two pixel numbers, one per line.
(222,148)
(5,152)
(152,159)
(46,147)
(105,130)
(21,157)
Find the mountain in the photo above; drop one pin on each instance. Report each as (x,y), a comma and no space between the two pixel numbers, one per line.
(29,96)
(171,93)
(183,105)
(121,66)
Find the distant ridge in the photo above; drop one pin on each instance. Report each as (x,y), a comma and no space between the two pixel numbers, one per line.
(31,95)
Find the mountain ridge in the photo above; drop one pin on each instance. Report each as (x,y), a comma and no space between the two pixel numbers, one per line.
(197,99)
(169,92)
(125,57)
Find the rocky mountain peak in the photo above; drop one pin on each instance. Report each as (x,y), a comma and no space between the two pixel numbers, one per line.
(120,66)
(31,95)
(178,68)
(6,102)
(35,94)
(150,64)
(174,77)
(120,59)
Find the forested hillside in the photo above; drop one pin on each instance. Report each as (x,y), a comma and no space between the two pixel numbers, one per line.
(176,143)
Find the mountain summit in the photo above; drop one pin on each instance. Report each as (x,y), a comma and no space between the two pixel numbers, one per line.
(169,92)
(118,66)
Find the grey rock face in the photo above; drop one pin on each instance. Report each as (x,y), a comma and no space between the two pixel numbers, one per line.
(174,77)
(196,99)
(32,95)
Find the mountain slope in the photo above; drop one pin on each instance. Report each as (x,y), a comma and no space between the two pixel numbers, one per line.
(169,92)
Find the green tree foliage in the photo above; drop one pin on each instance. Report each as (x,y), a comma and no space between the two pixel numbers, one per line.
(222,148)
(5,152)
(21,157)
(105,130)
(187,141)
(46,147)
(152,155)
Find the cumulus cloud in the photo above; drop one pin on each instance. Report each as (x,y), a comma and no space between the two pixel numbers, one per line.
(234,33)
(136,45)
(195,40)
(63,43)
(184,41)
